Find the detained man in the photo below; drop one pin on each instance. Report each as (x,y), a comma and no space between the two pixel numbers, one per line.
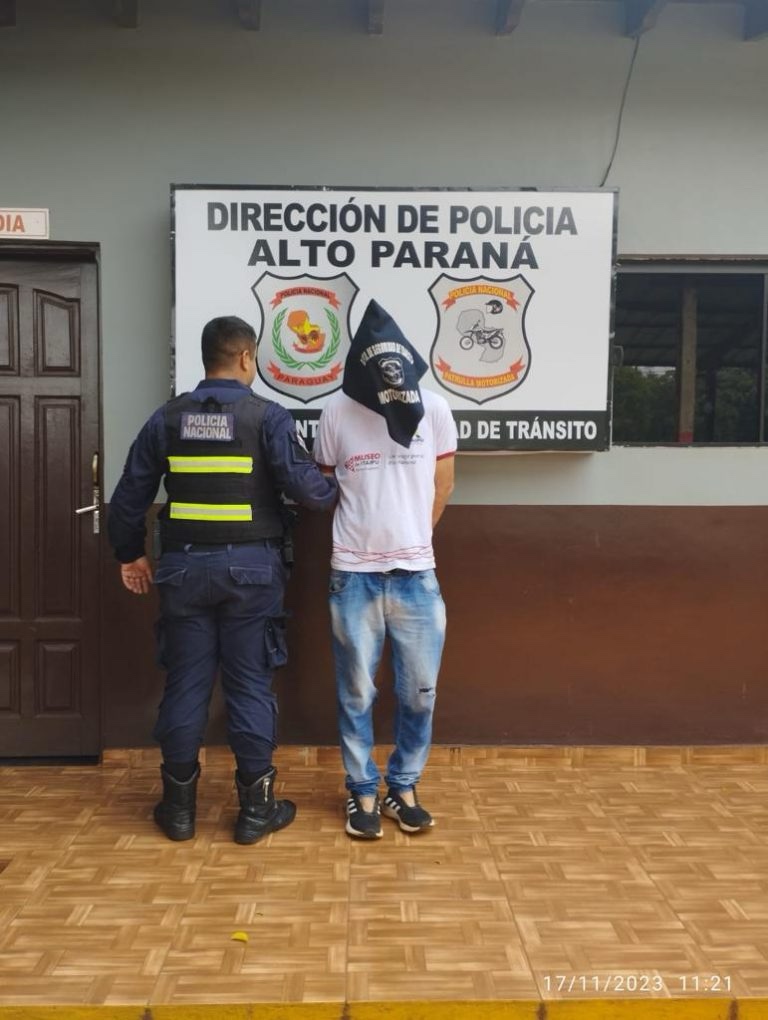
(391,446)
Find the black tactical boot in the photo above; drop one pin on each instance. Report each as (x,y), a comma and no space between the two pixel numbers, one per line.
(260,813)
(175,814)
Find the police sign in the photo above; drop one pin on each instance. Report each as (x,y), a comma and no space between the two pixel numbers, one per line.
(506,294)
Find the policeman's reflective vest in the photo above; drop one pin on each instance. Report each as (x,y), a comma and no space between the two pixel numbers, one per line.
(218,483)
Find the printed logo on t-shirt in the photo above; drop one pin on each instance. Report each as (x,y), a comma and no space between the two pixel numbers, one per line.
(405,458)
(363,462)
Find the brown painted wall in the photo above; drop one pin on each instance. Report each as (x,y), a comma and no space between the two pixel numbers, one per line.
(572,625)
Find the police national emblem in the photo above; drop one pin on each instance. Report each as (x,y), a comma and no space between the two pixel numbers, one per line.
(305,333)
(480,350)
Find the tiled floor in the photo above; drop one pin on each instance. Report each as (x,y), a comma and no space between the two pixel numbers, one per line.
(546,876)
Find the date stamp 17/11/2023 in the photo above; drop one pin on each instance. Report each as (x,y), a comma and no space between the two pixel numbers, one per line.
(636,984)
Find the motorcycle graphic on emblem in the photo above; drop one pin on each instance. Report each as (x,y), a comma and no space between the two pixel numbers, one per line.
(481,349)
(305,333)
(471,325)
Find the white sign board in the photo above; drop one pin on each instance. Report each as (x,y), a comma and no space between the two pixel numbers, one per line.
(507,295)
(31,224)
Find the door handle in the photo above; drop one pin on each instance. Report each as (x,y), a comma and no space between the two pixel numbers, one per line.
(96,492)
(94,507)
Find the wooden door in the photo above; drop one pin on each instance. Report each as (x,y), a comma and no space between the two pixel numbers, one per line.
(49,555)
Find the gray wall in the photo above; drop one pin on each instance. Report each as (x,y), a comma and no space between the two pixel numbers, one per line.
(97,121)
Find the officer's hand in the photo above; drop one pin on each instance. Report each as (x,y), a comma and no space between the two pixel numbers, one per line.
(137,576)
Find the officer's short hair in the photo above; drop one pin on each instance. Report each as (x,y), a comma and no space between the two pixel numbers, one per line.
(224,339)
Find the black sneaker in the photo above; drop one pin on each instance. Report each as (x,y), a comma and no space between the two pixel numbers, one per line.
(363,824)
(410,819)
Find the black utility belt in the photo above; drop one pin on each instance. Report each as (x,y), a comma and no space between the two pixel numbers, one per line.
(271,543)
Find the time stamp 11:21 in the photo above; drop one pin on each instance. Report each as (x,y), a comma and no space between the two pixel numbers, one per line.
(637,984)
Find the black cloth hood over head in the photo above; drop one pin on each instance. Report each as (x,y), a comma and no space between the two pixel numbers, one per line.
(382,373)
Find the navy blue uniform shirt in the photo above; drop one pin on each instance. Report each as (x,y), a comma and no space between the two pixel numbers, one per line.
(293,470)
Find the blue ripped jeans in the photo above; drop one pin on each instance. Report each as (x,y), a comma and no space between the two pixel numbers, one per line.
(408,608)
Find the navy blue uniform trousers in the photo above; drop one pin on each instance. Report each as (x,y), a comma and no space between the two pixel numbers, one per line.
(221,608)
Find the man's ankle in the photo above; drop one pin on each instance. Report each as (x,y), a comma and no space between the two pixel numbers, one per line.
(407,796)
(367,801)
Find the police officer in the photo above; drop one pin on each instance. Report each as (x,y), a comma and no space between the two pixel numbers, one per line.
(224,455)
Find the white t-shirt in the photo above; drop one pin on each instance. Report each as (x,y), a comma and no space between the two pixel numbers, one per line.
(383,520)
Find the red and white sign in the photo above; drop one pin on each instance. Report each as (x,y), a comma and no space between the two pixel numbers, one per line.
(20,223)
